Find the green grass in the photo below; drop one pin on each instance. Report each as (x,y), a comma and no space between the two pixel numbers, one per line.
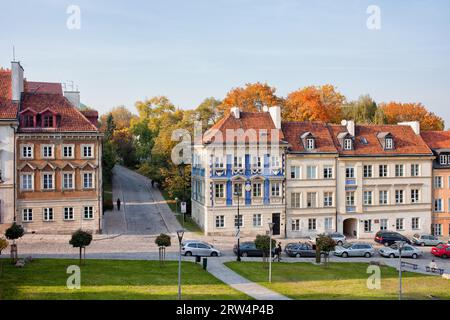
(340,281)
(111,279)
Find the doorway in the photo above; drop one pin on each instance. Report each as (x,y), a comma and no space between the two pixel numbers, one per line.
(276,226)
(351,227)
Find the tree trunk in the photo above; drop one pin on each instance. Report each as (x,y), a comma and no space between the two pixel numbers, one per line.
(81,248)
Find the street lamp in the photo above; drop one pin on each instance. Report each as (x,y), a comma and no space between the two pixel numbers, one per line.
(400,246)
(180,234)
(271,224)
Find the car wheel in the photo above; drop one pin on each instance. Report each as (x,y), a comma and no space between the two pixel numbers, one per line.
(392,255)
(422,244)
(213,254)
(414,256)
(298,255)
(188,253)
(339,243)
(386,244)
(444,256)
(244,254)
(367,255)
(344,255)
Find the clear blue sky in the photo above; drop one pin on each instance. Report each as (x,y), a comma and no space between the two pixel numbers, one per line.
(192,49)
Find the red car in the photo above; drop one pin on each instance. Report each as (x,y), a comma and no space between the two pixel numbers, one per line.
(442,250)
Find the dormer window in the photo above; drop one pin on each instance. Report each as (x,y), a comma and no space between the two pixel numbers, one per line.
(28,121)
(389,143)
(47,121)
(443,159)
(310,144)
(348,144)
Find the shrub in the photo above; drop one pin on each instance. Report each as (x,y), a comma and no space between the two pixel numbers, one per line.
(3,244)
(80,239)
(14,232)
(163,240)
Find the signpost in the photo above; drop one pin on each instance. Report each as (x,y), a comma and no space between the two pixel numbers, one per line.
(183,211)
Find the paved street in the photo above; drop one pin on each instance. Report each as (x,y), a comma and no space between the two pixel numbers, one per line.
(143,210)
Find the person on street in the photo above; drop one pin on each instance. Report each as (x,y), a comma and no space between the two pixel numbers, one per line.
(118,204)
(433,265)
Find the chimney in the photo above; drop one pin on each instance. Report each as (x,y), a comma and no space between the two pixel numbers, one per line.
(415,125)
(16,80)
(73,97)
(275,113)
(350,124)
(236,112)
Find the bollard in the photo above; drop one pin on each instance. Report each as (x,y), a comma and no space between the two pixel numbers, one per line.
(205,263)
(197,259)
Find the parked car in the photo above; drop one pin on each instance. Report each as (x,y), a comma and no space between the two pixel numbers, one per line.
(248,249)
(426,240)
(408,251)
(441,250)
(388,238)
(354,250)
(300,250)
(338,238)
(198,248)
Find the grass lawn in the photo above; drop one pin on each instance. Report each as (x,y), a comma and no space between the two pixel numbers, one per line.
(111,279)
(340,281)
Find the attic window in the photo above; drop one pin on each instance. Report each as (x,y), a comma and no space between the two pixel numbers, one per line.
(364,140)
(348,144)
(48,121)
(28,121)
(310,145)
(389,144)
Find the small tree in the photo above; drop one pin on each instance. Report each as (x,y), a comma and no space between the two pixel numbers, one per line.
(80,239)
(13,233)
(262,242)
(3,246)
(325,244)
(163,241)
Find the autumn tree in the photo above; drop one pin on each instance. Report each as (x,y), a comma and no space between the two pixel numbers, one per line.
(361,111)
(314,103)
(208,112)
(395,112)
(122,118)
(252,97)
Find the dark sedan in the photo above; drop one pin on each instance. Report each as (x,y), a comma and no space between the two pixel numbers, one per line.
(300,250)
(248,249)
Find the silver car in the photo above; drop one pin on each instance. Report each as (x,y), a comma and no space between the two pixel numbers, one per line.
(199,248)
(338,238)
(426,240)
(354,250)
(407,252)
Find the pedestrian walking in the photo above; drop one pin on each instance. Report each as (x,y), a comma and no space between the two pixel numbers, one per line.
(118,204)
(279,251)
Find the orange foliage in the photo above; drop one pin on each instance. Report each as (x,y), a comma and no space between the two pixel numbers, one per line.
(314,104)
(251,98)
(395,112)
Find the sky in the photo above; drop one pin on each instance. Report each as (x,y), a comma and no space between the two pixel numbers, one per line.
(126,51)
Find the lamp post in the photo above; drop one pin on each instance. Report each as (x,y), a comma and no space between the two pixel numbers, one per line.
(271,224)
(400,245)
(180,234)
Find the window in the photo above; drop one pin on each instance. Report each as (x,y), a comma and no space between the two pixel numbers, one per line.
(328,199)
(328,172)
(48,214)
(438,182)
(295,224)
(438,207)
(47,151)
(47,121)
(415,170)
(383,170)
(219,162)
(47,181)
(328,223)
(238,221)
(399,224)
(28,121)
(383,224)
(257,220)
(27,215)
(311,224)
(311,172)
(383,199)
(347,144)
(26,182)
(368,198)
(257,162)
(311,198)
(295,200)
(237,189)
(276,189)
(88,180)
(295,172)
(368,171)
(68,181)
(87,151)
(443,159)
(389,143)
(414,195)
(399,172)
(350,198)
(238,163)
(219,190)
(275,162)
(220,221)
(68,213)
(437,228)
(67,151)
(88,212)
(399,196)
(367,225)
(27,152)
(415,223)
(257,189)
(309,144)
(350,172)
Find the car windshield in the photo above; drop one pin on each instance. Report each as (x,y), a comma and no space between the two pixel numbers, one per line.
(347,245)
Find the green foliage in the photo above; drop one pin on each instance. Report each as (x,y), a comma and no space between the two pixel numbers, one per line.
(362,111)
(262,242)
(3,244)
(80,239)
(163,240)
(14,232)
(325,243)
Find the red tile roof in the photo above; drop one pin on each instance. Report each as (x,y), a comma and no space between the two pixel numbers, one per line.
(437,139)
(43,87)
(72,120)
(406,142)
(260,122)
(319,130)
(5,84)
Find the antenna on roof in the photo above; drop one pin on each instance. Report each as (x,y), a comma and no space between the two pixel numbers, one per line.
(70,84)
(14,54)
